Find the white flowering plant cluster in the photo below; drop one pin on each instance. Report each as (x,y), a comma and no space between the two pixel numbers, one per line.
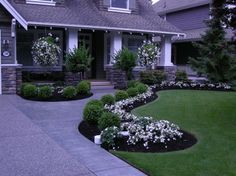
(194,85)
(45,51)
(148,54)
(143,129)
(108,135)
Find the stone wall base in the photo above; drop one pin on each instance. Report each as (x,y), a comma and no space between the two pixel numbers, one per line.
(169,70)
(116,76)
(11,79)
(72,79)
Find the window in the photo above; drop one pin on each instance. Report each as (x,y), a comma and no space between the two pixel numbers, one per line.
(41,2)
(121,4)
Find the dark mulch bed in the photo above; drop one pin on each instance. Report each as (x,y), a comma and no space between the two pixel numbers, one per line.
(188,140)
(58,97)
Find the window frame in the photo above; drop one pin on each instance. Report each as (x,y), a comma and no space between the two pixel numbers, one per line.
(121,10)
(41,2)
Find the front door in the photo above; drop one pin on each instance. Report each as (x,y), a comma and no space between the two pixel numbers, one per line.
(0,64)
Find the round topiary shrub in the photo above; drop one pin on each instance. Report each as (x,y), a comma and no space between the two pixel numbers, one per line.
(69,92)
(84,87)
(108,120)
(142,88)
(95,102)
(132,83)
(22,87)
(92,113)
(45,92)
(121,95)
(108,99)
(29,91)
(132,92)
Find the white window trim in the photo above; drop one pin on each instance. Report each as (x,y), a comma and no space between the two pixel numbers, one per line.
(120,10)
(41,2)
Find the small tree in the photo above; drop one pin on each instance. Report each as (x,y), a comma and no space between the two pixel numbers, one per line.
(78,60)
(126,61)
(148,54)
(45,51)
(215,60)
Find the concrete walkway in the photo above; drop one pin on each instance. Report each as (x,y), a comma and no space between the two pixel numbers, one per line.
(41,139)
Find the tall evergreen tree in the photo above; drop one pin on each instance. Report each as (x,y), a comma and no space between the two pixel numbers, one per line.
(215,60)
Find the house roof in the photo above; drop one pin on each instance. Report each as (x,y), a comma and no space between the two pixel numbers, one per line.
(85,14)
(168,6)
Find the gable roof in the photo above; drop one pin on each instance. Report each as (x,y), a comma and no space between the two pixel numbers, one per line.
(167,6)
(85,14)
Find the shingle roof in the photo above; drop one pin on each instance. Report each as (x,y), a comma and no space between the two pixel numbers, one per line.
(85,13)
(167,6)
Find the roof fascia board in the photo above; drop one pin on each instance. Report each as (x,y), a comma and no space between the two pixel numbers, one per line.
(14,13)
(31,23)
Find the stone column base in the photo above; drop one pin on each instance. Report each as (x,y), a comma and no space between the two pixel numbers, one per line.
(72,79)
(169,70)
(11,78)
(116,77)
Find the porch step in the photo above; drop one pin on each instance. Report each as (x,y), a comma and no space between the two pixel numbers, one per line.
(100,83)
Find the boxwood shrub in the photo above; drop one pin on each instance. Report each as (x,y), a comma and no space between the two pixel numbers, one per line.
(69,92)
(132,92)
(152,77)
(45,92)
(108,99)
(108,120)
(142,88)
(121,95)
(181,76)
(95,102)
(29,91)
(132,83)
(92,113)
(84,87)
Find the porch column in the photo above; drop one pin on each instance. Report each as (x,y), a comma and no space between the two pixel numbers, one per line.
(116,44)
(166,51)
(72,39)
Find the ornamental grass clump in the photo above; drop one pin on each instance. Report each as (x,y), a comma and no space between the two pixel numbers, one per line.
(45,51)
(108,99)
(69,92)
(108,119)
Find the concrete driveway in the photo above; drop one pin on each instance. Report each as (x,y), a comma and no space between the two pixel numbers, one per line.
(42,139)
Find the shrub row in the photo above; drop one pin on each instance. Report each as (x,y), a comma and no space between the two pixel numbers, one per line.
(46,92)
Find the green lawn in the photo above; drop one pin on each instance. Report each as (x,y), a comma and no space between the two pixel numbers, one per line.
(211,116)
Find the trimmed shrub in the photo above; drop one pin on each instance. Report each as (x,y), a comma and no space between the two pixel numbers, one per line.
(69,92)
(22,87)
(92,113)
(29,91)
(152,77)
(132,83)
(108,99)
(121,95)
(132,92)
(108,120)
(95,102)
(181,75)
(45,92)
(84,87)
(142,88)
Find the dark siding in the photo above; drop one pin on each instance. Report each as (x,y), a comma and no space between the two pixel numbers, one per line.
(190,18)
(5,27)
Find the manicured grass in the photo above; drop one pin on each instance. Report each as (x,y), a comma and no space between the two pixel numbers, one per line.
(211,117)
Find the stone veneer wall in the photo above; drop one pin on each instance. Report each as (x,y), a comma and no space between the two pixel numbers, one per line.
(72,79)
(11,79)
(116,77)
(169,70)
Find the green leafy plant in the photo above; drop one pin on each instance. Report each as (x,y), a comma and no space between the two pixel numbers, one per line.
(92,113)
(141,88)
(181,76)
(108,137)
(108,99)
(159,75)
(132,92)
(45,92)
(108,120)
(126,61)
(83,87)
(29,91)
(95,102)
(69,92)
(147,77)
(132,83)
(121,95)
(78,59)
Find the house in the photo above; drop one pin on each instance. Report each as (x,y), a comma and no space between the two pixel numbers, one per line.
(189,16)
(104,25)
